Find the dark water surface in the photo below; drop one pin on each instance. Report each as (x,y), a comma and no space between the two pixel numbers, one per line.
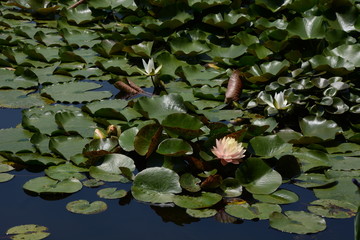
(134,220)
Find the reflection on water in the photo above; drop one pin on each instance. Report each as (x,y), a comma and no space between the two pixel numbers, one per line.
(128,219)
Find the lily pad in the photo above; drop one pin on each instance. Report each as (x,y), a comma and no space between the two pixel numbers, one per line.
(47,185)
(174,147)
(299,222)
(75,92)
(84,207)
(156,185)
(111,193)
(319,127)
(109,169)
(332,208)
(201,213)
(206,199)
(281,196)
(257,177)
(28,232)
(270,146)
(247,211)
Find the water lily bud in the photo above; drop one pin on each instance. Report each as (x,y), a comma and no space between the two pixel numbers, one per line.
(113,130)
(228,150)
(98,134)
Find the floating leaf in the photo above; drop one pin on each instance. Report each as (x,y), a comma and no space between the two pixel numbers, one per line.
(41,185)
(109,170)
(281,196)
(111,193)
(65,171)
(67,146)
(247,211)
(147,138)
(257,177)
(270,146)
(206,199)
(190,183)
(307,27)
(4,177)
(332,208)
(84,207)
(297,222)
(160,107)
(75,92)
(15,140)
(28,232)
(182,124)
(174,147)
(21,99)
(319,127)
(156,185)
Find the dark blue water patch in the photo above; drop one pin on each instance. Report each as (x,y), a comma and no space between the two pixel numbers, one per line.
(10,117)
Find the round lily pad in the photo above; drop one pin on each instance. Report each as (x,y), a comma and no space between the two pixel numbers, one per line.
(4,177)
(332,208)
(247,211)
(299,222)
(190,183)
(111,193)
(92,183)
(156,184)
(84,207)
(48,185)
(206,199)
(281,196)
(28,232)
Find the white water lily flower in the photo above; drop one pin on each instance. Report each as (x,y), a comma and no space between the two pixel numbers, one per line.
(228,150)
(150,68)
(280,102)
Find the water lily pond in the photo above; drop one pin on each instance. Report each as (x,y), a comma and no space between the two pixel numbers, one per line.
(179,119)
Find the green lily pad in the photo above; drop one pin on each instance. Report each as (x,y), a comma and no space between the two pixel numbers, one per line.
(28,232)
(21,99)
(4,177)
(109,169)
(182,124)
(15,140)
(281,196)
(174,147)
(332,208)
(93,183)
(270,146)
(67,146)
(160,107)
(47,185)
(344,190)
(190,183)
(65,171)
(257,177)
(76,122)
(84,207)
(311,180)
(299,222)
(79,92)
(206,199)
(147,138)
(247,211)
(307,27)
(111,193)
(156,185)
(126,139)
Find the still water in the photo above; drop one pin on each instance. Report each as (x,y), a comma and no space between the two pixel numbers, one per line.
(133,220)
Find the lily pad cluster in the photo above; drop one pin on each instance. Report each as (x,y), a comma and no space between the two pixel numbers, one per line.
(290,68)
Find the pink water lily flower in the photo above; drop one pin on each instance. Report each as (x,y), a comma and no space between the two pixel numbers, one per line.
(228,150)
